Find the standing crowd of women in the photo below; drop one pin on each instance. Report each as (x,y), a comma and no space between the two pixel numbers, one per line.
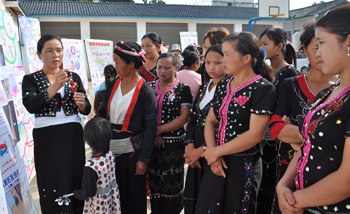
(257,138)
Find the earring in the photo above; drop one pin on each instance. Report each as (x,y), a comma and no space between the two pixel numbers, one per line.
(278,53)
(246,62)
(348,51)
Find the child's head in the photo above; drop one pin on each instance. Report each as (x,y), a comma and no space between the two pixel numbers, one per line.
(99,97)
(97,134)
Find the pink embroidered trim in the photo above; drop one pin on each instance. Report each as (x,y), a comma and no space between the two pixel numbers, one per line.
(225,104)
(160,97)
(299,179)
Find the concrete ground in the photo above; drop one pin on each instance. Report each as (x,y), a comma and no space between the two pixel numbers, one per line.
(35,193)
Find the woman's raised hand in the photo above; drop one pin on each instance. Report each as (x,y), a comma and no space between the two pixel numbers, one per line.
(61,77)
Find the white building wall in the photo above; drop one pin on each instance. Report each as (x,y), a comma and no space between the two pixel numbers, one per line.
(141,23)
(141,30)
(85,30)
(298,24)
(2,4)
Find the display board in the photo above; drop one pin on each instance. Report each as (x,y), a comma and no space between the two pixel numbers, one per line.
(16,144)
(30,29)
(99,54)
(188,38)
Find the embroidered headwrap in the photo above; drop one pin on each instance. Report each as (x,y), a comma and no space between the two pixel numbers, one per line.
(130,51)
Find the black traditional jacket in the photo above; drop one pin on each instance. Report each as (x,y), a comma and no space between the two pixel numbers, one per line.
(36,100)
(140,117)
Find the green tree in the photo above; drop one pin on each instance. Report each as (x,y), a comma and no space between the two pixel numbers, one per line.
(157,2)
(315,3)
(131,1)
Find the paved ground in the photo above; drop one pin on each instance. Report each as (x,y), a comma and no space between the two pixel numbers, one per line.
(35,193)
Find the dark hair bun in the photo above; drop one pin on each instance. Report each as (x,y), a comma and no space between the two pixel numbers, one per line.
(190,57)
(187,52)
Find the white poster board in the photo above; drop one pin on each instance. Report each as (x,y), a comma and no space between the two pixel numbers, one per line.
(16,142)
(30,29)
(188,38)
(75,59)
(99,54)
(3,204)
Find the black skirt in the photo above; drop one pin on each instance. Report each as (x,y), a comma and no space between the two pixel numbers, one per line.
(59,155)
(268,184)
(237,193)
(166,178)
(194,175)
(286,154)
(132,188)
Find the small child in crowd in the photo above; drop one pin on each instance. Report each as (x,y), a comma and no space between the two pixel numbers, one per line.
(99,97)
(99,186)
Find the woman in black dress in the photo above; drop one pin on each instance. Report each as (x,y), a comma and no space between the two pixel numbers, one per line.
(212,37)
(282,55)
(166,173)
(130,107)
(294,99)
(195,127)
(320,170)
(56,97)
(152,45)
(234,128)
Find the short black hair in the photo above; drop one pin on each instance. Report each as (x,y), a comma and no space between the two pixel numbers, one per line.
(217,48)
(46,38)
(98,134)
(169,55)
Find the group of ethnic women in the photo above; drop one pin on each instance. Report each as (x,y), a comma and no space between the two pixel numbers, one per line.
(250,128)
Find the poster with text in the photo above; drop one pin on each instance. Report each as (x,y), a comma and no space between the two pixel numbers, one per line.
(74,58)
(12,113)
(188,38)
(9,40)
(26,145)
(15,183)
(3,204)
(30,29)
(11,76)
(99,54)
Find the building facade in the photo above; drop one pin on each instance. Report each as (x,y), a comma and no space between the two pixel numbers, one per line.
(128,21)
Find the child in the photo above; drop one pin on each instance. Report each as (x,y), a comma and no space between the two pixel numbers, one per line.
(99,97)
(99,187)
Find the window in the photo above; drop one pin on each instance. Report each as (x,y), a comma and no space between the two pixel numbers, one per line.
(114,31)
(69,30)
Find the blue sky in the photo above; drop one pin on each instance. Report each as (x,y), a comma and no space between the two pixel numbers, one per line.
(294,4)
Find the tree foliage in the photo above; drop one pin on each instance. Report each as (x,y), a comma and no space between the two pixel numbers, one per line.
(157,2)
(315,3)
